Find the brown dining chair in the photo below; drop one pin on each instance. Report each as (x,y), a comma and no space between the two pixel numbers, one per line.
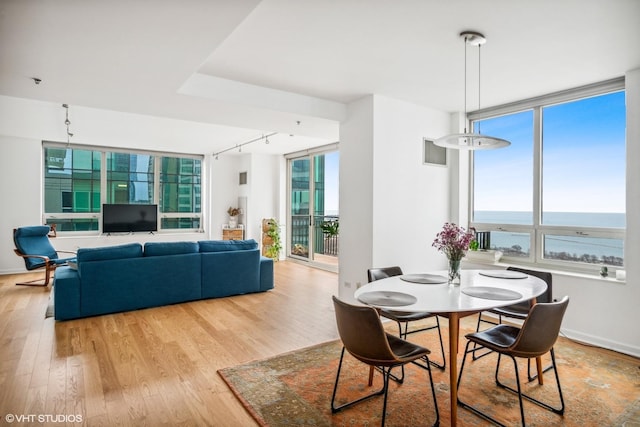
(537,336)
(364,337)
(404,317)
(519,311)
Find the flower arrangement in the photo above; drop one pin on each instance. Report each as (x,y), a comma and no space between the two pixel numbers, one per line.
(453,241)
(233,211)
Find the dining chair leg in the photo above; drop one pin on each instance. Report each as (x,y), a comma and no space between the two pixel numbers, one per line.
(560,410)
(477,347)
(471,408)
(433,393)
(335,408)
(533,377)
(385,378)
(442,365)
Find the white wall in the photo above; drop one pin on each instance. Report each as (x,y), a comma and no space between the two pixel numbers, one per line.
(25,123)
(265,196)
(410,199)
(391,204)
(262,190)
(391,207)
(356,196)
(224,190)
(604,311)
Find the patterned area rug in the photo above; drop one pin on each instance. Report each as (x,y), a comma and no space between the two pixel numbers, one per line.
(601,388)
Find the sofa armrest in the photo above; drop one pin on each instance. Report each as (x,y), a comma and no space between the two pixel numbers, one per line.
(66,293)
(266,273)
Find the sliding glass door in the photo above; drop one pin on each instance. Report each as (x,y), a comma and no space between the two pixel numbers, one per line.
(313,208)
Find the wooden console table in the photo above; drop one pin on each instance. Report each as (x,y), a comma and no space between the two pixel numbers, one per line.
(232,233)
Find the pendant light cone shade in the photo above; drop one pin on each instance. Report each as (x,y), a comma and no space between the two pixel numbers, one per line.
(471,141)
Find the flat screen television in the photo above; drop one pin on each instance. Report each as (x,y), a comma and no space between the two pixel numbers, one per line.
(119,218)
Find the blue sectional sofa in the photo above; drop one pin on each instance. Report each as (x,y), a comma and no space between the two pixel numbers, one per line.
(130,277)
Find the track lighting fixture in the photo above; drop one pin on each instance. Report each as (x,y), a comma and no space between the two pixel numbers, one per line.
(67,123)
(239,146)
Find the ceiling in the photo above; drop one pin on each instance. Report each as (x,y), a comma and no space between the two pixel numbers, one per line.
(291,66)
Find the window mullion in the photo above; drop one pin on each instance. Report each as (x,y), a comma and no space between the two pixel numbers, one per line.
(537,184)
(103,179)
(156,184)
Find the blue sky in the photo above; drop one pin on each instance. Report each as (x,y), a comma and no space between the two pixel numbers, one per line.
(583,159)
(331,165)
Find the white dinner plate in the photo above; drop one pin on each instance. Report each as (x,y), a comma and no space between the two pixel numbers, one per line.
(488,292)
(428,279)
(503,274)
(387,298)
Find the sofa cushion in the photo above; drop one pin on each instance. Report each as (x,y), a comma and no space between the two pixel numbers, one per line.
(129,250)
(170,248)
(227,245)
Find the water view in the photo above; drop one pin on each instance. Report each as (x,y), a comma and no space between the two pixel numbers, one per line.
(593,250)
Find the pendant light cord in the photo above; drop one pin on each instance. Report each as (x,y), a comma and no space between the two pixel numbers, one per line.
(479,85)
(465,84)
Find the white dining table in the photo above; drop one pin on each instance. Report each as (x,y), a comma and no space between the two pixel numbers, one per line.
(479,290)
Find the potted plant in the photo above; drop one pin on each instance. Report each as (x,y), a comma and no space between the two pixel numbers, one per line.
(330,228)
(271,229)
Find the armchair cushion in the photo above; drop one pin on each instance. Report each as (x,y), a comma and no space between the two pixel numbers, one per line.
(33,240)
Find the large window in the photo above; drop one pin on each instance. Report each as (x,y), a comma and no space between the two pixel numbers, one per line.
(556,196)
(180,192)
(79,180)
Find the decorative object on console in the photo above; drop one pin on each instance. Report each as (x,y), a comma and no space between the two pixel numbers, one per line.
(233,216)
(453,241)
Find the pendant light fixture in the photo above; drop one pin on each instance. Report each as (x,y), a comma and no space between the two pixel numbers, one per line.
(471,140)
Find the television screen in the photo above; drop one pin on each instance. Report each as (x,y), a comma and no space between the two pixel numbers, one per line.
(129,218)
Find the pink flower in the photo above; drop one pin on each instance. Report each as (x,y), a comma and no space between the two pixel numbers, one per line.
(453,241)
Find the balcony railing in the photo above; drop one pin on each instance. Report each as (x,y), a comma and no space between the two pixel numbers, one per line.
(323,243)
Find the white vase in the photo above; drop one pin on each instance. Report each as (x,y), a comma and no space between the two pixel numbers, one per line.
(233,222)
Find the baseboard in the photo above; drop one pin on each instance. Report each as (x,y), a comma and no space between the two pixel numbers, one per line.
(601,342)
(585,338)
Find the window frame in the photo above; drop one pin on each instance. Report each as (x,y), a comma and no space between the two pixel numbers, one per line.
(537,231)
(157,170)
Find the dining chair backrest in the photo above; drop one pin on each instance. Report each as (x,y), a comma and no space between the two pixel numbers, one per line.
(540,329)
(374,274)
(547,296)
(362,333)
(524,306)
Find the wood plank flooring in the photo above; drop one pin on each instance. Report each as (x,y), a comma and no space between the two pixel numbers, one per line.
(156,366)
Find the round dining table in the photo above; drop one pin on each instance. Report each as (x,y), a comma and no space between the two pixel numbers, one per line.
(479,290)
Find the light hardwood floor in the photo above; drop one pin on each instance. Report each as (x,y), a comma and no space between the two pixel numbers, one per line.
(155,366)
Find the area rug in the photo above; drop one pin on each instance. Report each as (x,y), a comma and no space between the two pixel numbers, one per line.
(601,388)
